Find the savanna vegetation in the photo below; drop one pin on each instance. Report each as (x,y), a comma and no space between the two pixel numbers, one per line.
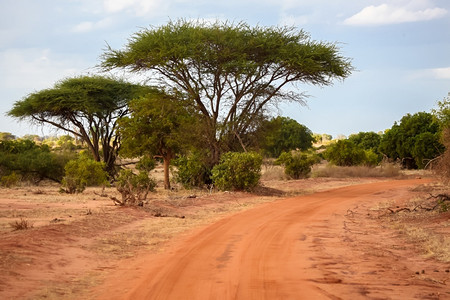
(206,112)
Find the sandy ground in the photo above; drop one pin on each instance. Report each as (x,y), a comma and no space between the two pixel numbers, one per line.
(342,242)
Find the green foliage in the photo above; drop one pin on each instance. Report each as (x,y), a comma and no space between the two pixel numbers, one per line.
(442,113)
(233,72)
(66,143)
(366,140)
(282,134)
(346,153)
(9,180)
(444,206)
(87,107)
(414,141)
(442,167)
(134,188)
(83,172)
(297,164)
(31,161)
(146,164)
(192,170)
(371,158)
(237,171)
(160,124)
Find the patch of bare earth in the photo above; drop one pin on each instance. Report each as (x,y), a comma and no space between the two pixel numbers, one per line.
(78,241)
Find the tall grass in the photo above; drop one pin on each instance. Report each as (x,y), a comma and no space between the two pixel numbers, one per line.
(385,170)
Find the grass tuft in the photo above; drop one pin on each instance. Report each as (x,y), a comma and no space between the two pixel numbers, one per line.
(21,225)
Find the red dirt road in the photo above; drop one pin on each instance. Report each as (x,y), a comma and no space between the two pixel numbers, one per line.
(318,246)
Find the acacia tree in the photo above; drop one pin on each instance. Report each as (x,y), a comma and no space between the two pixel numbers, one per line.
(87,107)
(158,125)
(233,72)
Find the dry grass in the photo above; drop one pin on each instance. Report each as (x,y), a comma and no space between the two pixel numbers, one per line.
(386,170)
(22,224)
(432,244)
(428,230)
(273,172)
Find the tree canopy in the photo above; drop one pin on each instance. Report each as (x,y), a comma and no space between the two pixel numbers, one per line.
(282,134)
(414,141)
(366,140)
(233,72)
(442,112)
(158,125)
(86,106)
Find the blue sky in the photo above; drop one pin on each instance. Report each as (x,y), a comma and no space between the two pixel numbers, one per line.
(400,49)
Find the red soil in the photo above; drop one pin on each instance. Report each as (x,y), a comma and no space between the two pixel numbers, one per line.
(328,245)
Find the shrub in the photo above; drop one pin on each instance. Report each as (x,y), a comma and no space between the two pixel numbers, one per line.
(31,161)
(83,172)
(21,225)
(134,188)
(296,164)
(9,180)
(345,153)
(443,165)
(192,170)
(238,171)
(371,158)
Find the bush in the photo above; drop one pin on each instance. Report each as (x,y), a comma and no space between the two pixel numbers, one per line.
(192,170)
(297,164)
(345,153)
(443,165)
(83,172)
(9,180)
(31,161)
(238,171)
(134,188)
(21,225)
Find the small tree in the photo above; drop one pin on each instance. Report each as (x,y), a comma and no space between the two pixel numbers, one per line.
(135,188)
(83,172)
(159,125)
(238,171)
(297,164)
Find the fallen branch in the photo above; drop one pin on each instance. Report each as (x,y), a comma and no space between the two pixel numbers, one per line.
(441,199)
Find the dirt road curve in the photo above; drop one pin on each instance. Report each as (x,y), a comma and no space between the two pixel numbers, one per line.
(308,247)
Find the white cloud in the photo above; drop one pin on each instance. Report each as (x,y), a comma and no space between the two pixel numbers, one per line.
(441,73)
(34,69)
(290,20)
(391,14)
(90,26)
(434,73)
(139,7)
